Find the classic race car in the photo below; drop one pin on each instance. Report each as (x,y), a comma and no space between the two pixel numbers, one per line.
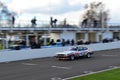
(74,52)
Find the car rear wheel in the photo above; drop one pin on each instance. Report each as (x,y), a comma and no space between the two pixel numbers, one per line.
(72,58)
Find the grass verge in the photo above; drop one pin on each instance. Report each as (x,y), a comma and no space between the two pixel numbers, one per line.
(107,75)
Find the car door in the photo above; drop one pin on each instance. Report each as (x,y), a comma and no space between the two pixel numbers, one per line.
(85,50)
(81,51)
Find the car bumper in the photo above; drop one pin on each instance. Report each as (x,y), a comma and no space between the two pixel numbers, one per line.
(62,58)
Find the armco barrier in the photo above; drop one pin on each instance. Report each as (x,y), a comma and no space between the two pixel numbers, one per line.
(15,55)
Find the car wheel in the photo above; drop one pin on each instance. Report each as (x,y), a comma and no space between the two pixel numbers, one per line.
(72,57)
(88,55)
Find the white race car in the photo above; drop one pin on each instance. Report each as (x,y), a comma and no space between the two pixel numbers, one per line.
(74,52)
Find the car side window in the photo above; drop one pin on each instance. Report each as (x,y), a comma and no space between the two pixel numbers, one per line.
(84,48)
(80,49)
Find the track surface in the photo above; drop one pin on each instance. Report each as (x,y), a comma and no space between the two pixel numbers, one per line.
(53,69)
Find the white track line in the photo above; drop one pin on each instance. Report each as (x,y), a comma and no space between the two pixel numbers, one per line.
(59,67)
(115,67)
(29,64)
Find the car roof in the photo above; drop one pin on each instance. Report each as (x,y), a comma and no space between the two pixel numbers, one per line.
(79,47)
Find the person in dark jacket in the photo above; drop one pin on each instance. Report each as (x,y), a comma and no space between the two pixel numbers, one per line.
(13,20)
(33,21)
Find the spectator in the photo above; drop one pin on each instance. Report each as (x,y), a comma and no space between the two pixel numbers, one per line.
(55,21)
(72,42)
(52,42)
(51,21)
(68,42)
(63,42)
(65,22)
(33,21)
(13,20)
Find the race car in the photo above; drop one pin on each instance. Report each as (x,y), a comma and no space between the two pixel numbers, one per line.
(74,52)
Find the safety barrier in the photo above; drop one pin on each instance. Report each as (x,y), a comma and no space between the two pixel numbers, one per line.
(15,55)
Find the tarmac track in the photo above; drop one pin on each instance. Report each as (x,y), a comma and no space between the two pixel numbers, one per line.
(53,69)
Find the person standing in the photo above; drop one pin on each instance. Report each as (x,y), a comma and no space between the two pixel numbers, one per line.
(65,22)
(72,42)
(51,21)
(13,20)
(33,21)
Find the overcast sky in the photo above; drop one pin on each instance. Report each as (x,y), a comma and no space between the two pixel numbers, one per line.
(60,9)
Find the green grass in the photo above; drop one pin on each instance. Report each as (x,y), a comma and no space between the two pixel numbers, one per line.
(107,75)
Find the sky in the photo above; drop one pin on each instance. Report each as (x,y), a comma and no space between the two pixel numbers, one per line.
(60,9)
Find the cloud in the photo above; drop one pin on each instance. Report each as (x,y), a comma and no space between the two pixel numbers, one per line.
(44,6)
(53,10)
(61,7)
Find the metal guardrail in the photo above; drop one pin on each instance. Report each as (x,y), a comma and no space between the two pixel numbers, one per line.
(56,29)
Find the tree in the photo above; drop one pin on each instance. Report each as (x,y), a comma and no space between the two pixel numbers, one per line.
(96,15)
(6,14)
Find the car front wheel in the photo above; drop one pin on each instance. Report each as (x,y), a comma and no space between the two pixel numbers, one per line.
(88,55)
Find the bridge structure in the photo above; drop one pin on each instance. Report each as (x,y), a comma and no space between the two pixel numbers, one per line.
(67,32)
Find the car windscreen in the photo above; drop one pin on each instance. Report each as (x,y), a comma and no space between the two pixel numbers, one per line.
(82,48)
(73,49)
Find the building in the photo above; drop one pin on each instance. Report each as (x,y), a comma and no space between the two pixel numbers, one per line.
(66,32)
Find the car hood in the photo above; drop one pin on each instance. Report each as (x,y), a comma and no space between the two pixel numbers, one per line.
(65,52)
